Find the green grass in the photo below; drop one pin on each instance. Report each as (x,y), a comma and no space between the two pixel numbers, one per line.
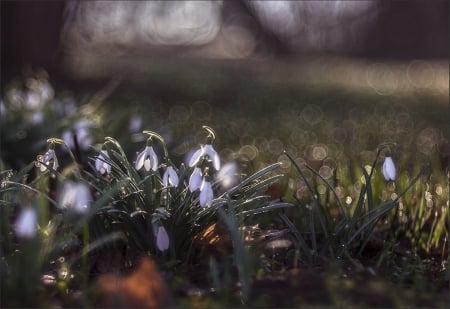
(350,234)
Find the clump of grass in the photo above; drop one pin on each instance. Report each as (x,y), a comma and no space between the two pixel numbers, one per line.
(329,227)
(146,207)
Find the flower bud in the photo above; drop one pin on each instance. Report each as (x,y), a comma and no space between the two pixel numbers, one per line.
(389,172)
(162,239)
(26,223)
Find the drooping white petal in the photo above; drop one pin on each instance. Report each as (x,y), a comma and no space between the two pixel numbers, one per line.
(83,198)
(107,168)
(165,178)
(147,164)
(55,161)
(26,223)
(153,159)
(196,157)
(173,176)
(42,167)
(389,171)
(135,124)
(170,177)
(75,196)
(67,137)
(99,161)
(162,239)
(67,195)
(84,137)
(49,158)
(36,118)
(50,154)
(206,193)
(148,159)
(195,180)
(46,159)
(213,155)
(141,159)
(100,165)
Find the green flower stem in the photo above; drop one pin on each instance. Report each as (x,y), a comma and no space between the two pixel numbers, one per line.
(211,134)
(43,209)
(160,138)
(77,164)
(316,204)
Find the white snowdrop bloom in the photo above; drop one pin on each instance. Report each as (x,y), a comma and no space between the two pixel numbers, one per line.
(227,176)
(135,124)
(82,129)
(170,177)
(195,180)
(213,155)
(389,172)
(48,160)
(162,239)
(45,90)
(75,196)
(101,165)
(67,137)
(206,193)
(36,117)
(25,225)
(33,100)
(196,156)
(147,159)
(16,97)
(64,107)
(207,150)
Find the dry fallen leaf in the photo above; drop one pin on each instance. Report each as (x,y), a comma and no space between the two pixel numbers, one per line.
(144,287)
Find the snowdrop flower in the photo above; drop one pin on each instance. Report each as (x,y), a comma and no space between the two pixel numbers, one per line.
(75,196)
(45,90)
(47,160)
(16,97)
(206,193)
(227,176)
(33,100)
(147,159)
(196,157)
(36,117)
(65,107)
(101,165)
(389,172)
(26,223)
(170,177)
(135,124)
(162,239)
(213,155)
(82,130)
(207,150)
(67,137)
(195,180)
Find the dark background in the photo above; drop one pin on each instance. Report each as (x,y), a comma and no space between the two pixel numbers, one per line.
(403,30)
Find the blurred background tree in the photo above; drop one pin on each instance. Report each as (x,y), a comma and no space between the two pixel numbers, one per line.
(67,37)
